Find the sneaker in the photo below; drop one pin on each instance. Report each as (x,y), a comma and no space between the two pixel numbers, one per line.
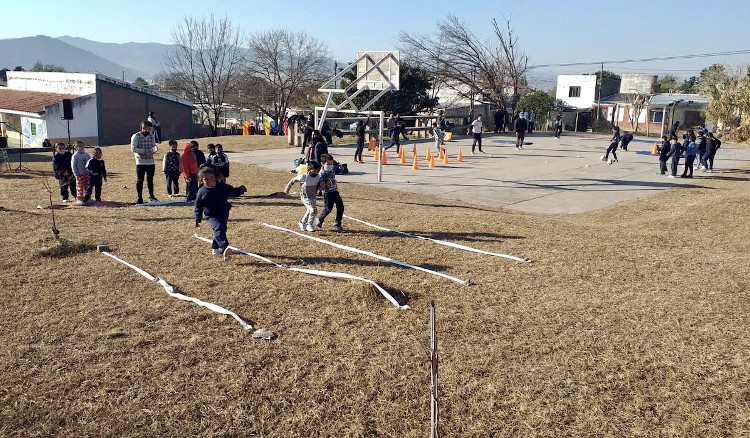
(310,228)
(80,203)
(152,199)
(337,226)
(169,196)
(319,223)
(603,158)
(215,251)
(609,161)
(670,176)
(64,200)
(98,199)
(139,201)
(301,226)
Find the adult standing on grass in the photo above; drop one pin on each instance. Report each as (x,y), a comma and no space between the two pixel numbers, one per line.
(520,128)
(476,129)
(142,144)
(155,123)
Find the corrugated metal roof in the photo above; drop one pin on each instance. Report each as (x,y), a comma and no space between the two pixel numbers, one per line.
(29,101)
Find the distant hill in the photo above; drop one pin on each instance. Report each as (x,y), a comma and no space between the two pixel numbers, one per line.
(26,51)
(146,57)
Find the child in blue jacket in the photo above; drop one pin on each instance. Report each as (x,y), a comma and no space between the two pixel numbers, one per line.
(211,201)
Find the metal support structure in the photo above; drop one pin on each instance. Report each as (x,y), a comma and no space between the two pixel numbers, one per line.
(361,82)
(599,99)
(434,432)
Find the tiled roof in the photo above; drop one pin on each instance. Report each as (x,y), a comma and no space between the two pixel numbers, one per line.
(29,101)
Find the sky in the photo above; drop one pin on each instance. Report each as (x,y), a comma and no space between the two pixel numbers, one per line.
(550,32)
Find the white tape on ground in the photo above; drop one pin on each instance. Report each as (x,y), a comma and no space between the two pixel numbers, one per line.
(368,253)
(170,290)
(441,242)
(329,274)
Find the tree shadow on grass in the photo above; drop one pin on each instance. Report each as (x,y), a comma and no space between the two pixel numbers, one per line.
(425,204)
(14,176)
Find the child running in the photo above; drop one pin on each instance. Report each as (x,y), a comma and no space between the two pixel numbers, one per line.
(212,202)
(439,137)
(308,188)
(331,194)
(612,146)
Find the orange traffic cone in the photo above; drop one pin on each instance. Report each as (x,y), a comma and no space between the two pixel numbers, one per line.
(414,151)
(415,166)
(385,160)
(402,156)
(372,145)
(440,157)
(432,161)
(445,157)
(375,155)
(429,154)
(460,158)
(655,151)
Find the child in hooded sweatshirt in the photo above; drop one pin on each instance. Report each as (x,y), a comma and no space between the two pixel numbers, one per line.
(211,201)
(189,172)
(308,189)
(172,167)
(97,172)
(78,163)
(61,167)
(331,194)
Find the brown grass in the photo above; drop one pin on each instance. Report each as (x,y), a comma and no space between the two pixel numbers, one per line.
(631,321)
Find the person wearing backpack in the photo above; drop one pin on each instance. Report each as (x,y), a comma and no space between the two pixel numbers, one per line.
(712,145)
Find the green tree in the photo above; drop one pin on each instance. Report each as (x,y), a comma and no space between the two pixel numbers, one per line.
(729,94)
(38,66)
(689,85)
(668,84)
(607,74)
(539,102)
(139,81)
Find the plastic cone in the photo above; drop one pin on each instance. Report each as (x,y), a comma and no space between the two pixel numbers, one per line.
(432,161)
(414,151)
(460,158)
(385,160)
(445,158)
(655,151)
(429,154)
(415,166)
(372,145)
(375,155)
(402,157)
(440,157)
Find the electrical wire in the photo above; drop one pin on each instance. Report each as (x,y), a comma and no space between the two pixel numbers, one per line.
(662,58)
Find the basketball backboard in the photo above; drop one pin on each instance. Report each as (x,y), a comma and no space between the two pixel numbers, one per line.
(378,70)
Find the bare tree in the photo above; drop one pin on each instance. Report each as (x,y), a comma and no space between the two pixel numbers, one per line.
(637,101)
(206,61)
(283,70)
(473,69)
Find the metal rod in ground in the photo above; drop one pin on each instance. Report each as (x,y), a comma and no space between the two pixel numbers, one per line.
(433,374)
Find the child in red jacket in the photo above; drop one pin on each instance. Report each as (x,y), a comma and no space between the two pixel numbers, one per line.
(189,172)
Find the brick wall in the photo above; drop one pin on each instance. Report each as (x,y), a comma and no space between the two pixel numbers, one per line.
(123,110)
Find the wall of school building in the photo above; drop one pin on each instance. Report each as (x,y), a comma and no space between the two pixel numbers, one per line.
(31,126)
(123,109)
(83,127)
(688,117)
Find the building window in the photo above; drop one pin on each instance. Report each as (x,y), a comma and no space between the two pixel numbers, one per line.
(655,116)
(574,92)
(33,129)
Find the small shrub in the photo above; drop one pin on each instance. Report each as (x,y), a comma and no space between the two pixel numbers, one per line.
(601,125)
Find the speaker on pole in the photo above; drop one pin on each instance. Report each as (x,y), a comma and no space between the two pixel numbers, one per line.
(66,108)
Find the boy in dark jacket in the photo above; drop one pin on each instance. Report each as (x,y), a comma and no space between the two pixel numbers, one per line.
(612,146)
(172,169)
(675,153)
(666,147)
(712,145)
(331,194)
(626,139)
(212,202)
(63,171)
(97,172)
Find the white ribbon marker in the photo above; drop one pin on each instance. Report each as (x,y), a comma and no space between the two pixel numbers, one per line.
(328,274)
(368,253)
(170,290)
(441,242)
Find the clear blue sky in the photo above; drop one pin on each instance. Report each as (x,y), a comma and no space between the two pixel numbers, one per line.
(559,31)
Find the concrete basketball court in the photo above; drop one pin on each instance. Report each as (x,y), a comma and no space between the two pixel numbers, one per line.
(548,176)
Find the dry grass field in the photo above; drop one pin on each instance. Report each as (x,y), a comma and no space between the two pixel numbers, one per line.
(630,321)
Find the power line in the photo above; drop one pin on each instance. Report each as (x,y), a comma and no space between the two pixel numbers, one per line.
(663,58)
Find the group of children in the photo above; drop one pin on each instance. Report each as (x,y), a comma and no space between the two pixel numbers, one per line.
(313,181)
(703,146)
(79,173)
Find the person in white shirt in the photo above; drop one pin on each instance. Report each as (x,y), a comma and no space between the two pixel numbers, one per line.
(476,129)
(155,125)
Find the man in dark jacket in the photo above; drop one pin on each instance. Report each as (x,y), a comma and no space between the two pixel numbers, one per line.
(675,153)
(520,127)
(307,132)
(499,120)
(626,138)
(712,145)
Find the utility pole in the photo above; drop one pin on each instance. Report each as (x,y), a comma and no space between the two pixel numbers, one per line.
(599,99)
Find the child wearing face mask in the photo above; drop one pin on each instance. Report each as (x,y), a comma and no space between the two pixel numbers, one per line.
(211,201)
(172,168)
(309,184)
(331,194)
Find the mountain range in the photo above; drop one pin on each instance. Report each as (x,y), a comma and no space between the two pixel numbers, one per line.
(126,61)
